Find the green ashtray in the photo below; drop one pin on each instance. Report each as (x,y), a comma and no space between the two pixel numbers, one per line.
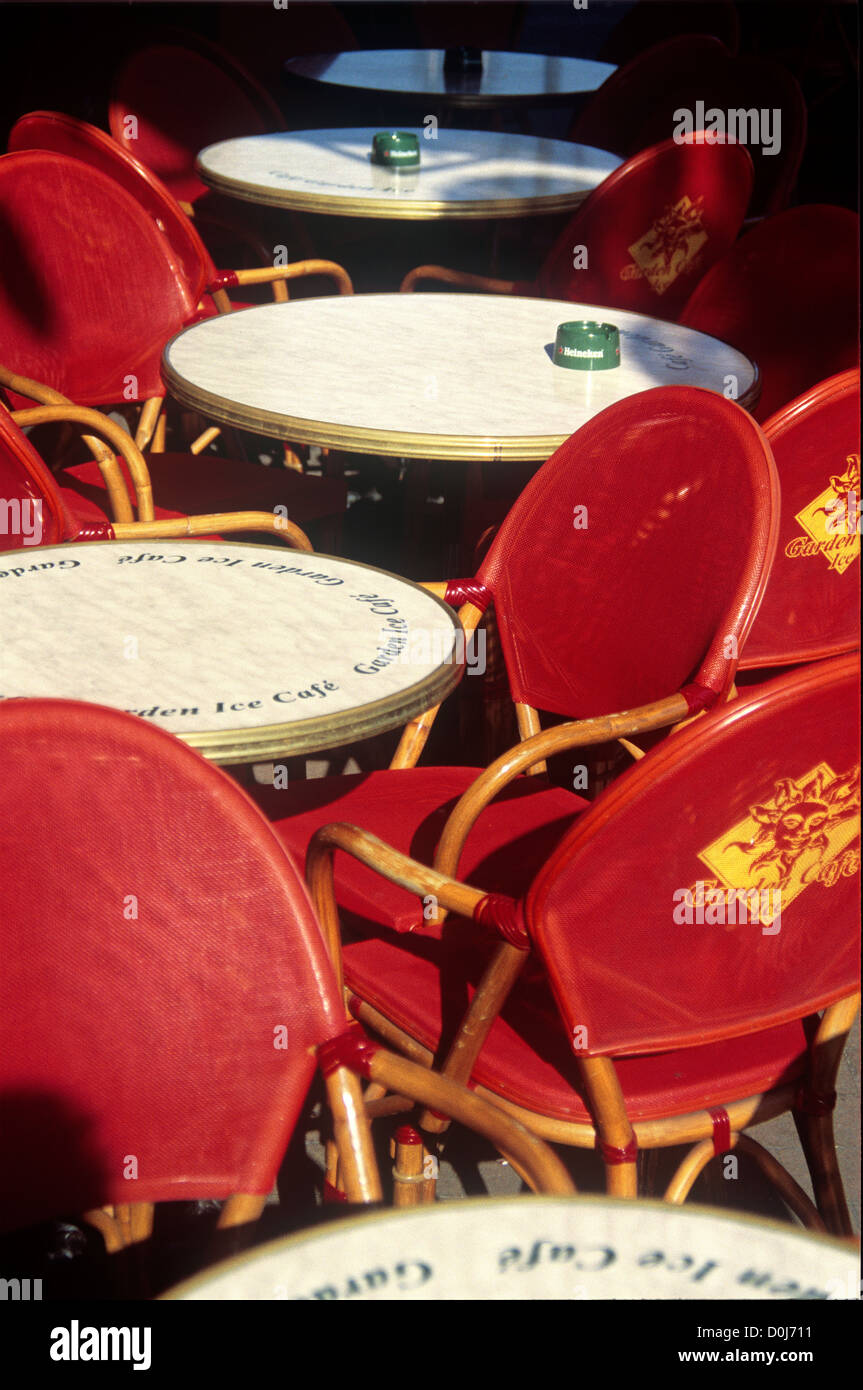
(397,149)
(587,347)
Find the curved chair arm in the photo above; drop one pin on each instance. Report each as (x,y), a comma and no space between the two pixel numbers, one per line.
(169,527)
(576,734)
(531,1156)
(456,277)
(415,734)
(239,234)
(505,964)
(390,863)
(122,443)
(108,465)
(269,274)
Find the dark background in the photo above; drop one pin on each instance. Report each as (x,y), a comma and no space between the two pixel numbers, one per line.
(62,56)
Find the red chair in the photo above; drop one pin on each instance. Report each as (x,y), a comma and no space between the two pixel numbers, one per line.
(164,1002)
(811,607)
(639,998)
(648,233)
(638,105)
(170,99)
(66,135)
(87,313)
(786,295)
(599,625)
(38,511)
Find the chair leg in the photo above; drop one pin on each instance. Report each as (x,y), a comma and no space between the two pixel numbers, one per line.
(333,1188)
(241,1209)
(408,1171)
(688,1170)
(621,1179)
(819,1147)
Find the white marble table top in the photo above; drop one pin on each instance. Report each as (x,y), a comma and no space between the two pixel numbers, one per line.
(462,173)
(246,652)
(436,376)
(504,77)
(529,1248)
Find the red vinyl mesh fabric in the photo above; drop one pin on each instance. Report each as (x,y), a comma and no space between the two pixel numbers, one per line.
(425,985)
(682,516)
(763,793)
(51,130)
(811,607)
(156,938)
(786,295)
(638,105)
(26,483)
(652,229)
(184,100)
(89,294)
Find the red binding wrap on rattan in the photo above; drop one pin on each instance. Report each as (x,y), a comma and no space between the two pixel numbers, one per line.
(505,916)
(406,1134)
(95,531)
(613,1156)
(459,591)
(223,280)
(350,1049)
(332,1194)
(698,697)
(721,1130)
(815,1103)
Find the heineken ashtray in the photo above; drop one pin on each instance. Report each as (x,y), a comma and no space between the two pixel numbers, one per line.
(397,149)
(587,347)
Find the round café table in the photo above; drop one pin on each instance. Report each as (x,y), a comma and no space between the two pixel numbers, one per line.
(462,174)
(505,79)
(245,652)
(429,376)
(536,1248)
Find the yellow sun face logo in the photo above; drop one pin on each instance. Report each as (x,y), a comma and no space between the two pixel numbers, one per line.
(669,247)
(800,835)
(831,521)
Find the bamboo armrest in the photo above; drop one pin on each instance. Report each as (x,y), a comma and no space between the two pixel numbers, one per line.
(275,275)
(390,863)
(455,277)
(575,734)
(121,442)
(110,469)
(530,1155)
(225,522)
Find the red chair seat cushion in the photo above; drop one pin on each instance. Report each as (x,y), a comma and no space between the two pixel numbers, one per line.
(526,1058)
(408,809)
(194,484)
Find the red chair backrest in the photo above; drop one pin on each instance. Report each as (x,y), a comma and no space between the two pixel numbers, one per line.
(764,794)
(88,292)
(51,130)
(652,229)
(171,99)
(639,104)
(164,976)
(811,607)
(662,585)
(786,295)
(32,511)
